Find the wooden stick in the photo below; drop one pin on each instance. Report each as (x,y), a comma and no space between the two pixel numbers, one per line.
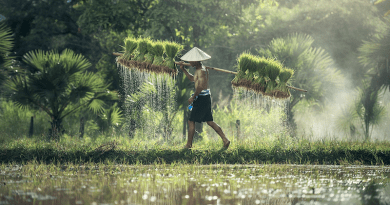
(294,88)
(117,54)
(217,69)
(235,73)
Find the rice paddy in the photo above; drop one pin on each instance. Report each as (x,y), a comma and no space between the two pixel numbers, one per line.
(110,183)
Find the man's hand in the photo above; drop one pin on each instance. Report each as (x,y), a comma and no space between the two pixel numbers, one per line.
(191,99)
(181,65)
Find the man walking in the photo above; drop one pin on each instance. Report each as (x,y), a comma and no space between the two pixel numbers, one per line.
(201,99)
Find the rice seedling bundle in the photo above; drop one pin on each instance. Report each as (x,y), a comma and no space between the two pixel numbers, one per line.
(142,49)
(171,50)
(245,61)
(284,76)
(149,57)
(158,51)
(273,69)
(259,74)
(130,45)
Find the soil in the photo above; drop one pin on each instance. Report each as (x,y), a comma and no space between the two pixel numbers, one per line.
(147,67)
(244,83)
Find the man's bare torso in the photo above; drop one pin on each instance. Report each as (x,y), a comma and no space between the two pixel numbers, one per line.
(200,79)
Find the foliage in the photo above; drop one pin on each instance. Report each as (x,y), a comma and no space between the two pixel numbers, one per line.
(357,20)
(369,110)
(60,86)
(6,45)
(118,16)
(16,121)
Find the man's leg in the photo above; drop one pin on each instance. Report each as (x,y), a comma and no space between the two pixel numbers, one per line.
(219,131)
(191,132)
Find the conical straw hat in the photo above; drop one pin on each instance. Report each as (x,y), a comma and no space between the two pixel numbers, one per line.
(195,54)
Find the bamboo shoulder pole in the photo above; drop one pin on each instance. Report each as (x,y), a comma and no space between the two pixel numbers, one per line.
(235,73)
(217,69)
(117,54)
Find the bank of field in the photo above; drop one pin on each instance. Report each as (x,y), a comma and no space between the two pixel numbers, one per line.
(285,150)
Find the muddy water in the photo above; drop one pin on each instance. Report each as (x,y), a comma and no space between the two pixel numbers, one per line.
(189,184)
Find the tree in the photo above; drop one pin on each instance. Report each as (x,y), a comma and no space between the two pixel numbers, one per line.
(313,69)
(58,84)
(374,55)
(5,49)
(339,27)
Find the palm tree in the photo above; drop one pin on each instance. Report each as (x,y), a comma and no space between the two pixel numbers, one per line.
(59,85)
(374,55)
(5,49)
(313,69)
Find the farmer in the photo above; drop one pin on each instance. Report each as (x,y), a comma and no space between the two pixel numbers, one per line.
(201,99)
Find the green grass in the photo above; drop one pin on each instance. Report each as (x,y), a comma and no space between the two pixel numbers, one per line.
(267,150)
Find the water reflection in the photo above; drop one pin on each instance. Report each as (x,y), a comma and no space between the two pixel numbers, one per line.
(189,184)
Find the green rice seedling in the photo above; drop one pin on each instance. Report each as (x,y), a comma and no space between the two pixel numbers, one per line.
(171,49)
(244,61)
(149,57)
(261,71)
(142,49)
(240,75)
(130,46)
(158,51)
(273,69)
(284,76)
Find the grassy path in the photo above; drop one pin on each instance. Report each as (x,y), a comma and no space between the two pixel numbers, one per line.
(240,152)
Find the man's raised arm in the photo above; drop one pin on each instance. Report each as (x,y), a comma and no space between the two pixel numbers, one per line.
(189,75)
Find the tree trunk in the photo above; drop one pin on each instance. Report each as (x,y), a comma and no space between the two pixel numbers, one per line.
(56,129)
(81,127)
(31,130)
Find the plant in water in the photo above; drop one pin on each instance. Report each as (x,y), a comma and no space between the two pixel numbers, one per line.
(273,69)
(171,49)
(59,86)
(130,46)
(158,51)
(142,49)
(284,76)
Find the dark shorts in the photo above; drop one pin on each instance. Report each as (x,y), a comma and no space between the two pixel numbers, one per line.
(201,111)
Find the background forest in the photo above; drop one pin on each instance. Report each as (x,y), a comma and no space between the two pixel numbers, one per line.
(338,50)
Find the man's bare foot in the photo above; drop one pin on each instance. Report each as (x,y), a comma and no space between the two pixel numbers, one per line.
(226,144)
(188,147)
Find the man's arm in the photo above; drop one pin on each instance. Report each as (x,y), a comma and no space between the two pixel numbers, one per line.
(189,75)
